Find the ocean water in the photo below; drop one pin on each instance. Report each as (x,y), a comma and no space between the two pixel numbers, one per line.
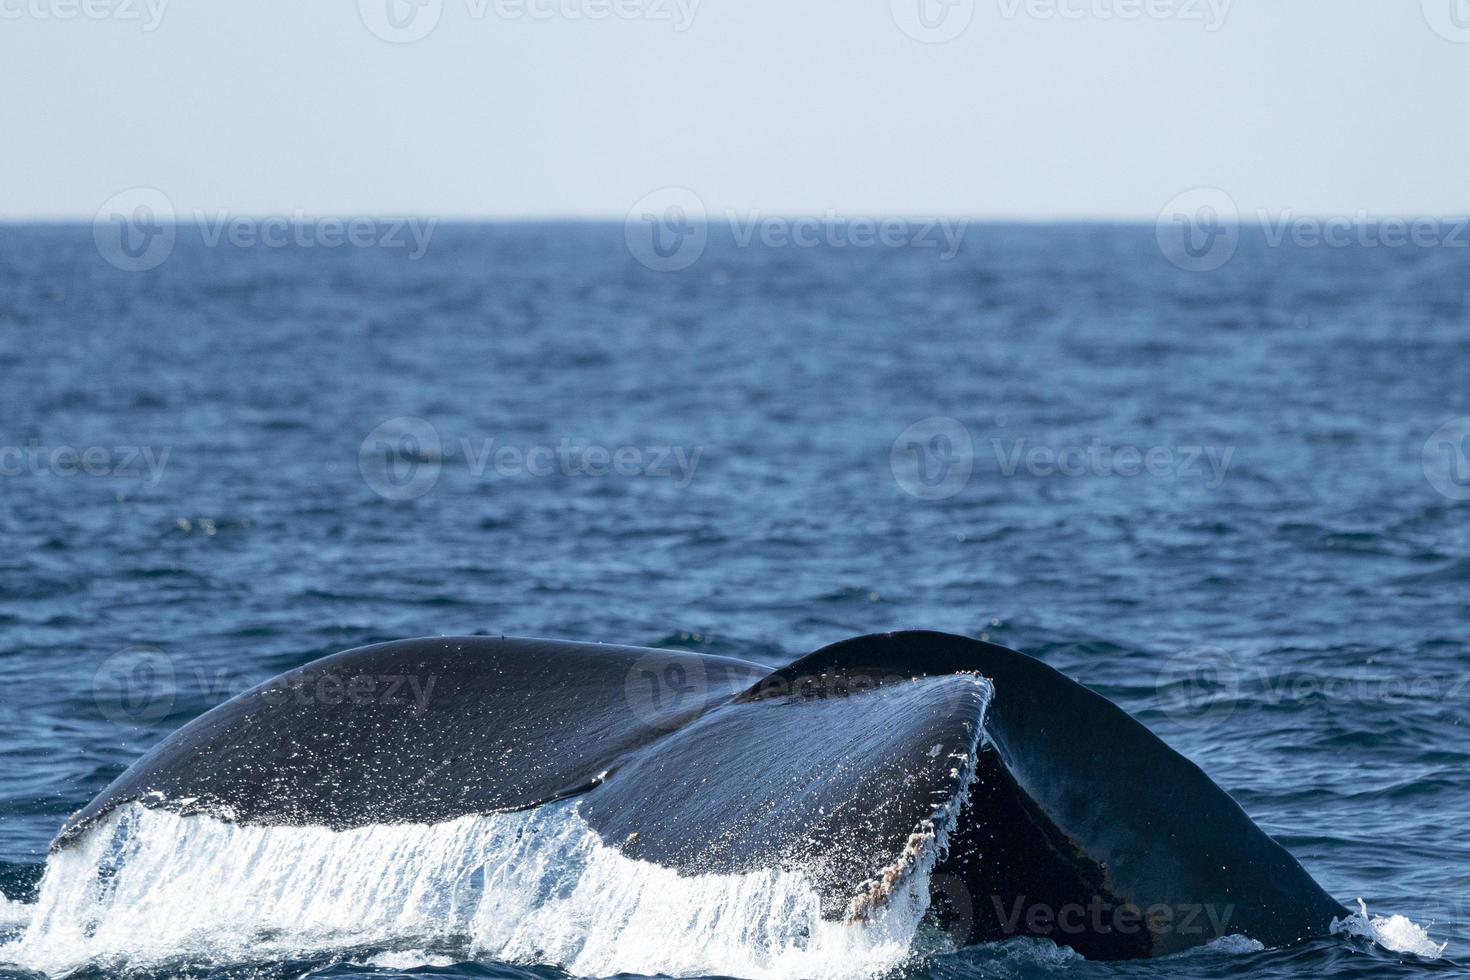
(1234,501)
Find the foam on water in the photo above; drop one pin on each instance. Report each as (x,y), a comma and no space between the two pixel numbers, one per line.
(13,914)
(1233,944)
(1397,933)
(407,959)
(147,887)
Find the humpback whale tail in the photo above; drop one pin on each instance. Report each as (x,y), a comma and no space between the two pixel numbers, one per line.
(886,779)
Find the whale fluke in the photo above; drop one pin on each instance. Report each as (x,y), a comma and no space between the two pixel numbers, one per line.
(421,731)
(912,766)
(1080,812)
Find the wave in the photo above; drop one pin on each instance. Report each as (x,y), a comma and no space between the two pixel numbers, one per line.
(807,794)
(148,888)
(13,914)
(1396,933)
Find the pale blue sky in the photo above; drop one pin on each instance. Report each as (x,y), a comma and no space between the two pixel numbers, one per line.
(1033,109)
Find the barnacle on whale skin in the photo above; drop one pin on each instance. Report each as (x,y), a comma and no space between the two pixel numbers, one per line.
(925,847)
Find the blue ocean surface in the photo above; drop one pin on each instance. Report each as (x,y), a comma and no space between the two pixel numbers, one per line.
(1235,501)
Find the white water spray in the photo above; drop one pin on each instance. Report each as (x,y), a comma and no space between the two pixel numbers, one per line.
(1393,932)
(13,914)
(149,888)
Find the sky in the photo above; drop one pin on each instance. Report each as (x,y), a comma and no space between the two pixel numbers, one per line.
(1005,109)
